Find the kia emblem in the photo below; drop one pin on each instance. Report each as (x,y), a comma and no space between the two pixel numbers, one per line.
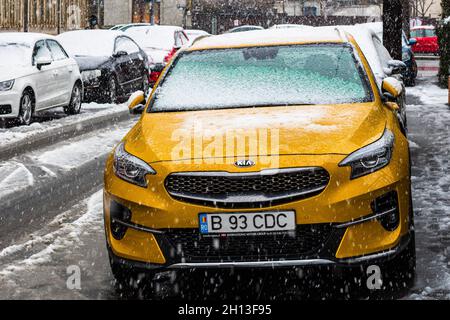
(244,163)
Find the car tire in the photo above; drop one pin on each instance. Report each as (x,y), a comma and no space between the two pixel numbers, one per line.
(74,106)
(112,90)
(128,279)
(26,108)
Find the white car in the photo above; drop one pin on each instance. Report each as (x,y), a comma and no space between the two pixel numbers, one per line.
(36,74)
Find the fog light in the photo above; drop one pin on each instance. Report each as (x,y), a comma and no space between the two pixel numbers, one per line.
(119,215)
(387,205)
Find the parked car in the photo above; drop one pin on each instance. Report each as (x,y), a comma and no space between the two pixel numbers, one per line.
(112,64)
(129,26)
(408,57)
(195,34)
(245,28)
(289,26)
(427,41)
(380,61)
(335,193)
(160,43)
(36,74)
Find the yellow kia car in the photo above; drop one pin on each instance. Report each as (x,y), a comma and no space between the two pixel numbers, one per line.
(264,149)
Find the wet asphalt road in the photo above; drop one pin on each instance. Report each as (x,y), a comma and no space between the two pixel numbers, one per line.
(36,268)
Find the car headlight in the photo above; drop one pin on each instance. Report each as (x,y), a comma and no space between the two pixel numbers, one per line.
(371,158)
(131,168)
(405,56)
(6,85)
(91,75)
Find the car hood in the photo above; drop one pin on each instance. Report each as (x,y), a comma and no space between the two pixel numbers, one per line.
(339,129)
(90,63)
(14,72)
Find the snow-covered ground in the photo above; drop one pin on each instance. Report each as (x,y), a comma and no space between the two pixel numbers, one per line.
(56,118)
(21,172)
(430,141)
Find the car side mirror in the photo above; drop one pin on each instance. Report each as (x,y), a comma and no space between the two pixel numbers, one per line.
(43,61)
(136,103)
(397,66)
(120,54)
(392,88)
(412,41)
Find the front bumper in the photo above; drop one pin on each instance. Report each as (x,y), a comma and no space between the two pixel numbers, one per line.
(366,260)
(9,104)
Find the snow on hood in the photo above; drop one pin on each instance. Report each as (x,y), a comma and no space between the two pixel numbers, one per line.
(90,63)
(14,72)
(328,129)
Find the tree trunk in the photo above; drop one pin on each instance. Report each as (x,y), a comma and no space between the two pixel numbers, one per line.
(392,26)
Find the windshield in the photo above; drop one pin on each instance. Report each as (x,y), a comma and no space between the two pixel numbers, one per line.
(262,76)
(17,54)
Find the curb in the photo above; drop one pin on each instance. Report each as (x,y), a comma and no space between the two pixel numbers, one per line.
(56,135)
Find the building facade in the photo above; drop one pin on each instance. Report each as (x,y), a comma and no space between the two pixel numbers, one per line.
(49,16)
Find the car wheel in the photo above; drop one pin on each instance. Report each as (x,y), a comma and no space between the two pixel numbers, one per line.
(26,109)
(74,106)
(127,279)
(112,90)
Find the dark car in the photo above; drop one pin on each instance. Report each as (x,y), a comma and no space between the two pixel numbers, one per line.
(112,65)
(410,74)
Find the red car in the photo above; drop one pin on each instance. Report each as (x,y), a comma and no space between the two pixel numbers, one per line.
(427,41)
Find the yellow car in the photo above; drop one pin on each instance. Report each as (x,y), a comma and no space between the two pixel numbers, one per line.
(264,149)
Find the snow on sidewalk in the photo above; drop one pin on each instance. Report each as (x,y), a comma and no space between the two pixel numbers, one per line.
(19,134)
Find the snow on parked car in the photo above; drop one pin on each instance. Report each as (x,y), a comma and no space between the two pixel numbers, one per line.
(160,43)
(195,34)
(36,73)
(112,64)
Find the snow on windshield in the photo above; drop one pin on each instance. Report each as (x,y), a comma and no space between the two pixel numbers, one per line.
(157,38)
(87,43)
(16,54)
(263,76)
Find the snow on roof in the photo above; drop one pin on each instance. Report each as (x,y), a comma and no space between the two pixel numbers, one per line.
(269,37)
(89,42)
(23,37)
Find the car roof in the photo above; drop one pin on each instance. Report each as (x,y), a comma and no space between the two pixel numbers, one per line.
(267,38)
(24,37)
(155,28)
(97,32)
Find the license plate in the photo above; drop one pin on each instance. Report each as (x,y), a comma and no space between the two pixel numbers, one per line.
(221,223)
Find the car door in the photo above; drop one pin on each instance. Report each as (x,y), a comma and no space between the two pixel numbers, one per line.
(43,79)
(63,73)
(130,64)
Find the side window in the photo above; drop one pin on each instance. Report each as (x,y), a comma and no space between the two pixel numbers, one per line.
(125,44)
(383,54)
(57,51)
(40,51)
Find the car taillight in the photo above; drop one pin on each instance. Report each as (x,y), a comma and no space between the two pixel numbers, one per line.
(154,76)
(170,55)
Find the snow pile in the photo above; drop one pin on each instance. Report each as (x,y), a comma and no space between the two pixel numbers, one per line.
(20,134)
(447,20)
(65,238)
(13,177)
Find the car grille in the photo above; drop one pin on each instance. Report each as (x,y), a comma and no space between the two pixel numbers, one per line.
(247,190)
(306,242)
